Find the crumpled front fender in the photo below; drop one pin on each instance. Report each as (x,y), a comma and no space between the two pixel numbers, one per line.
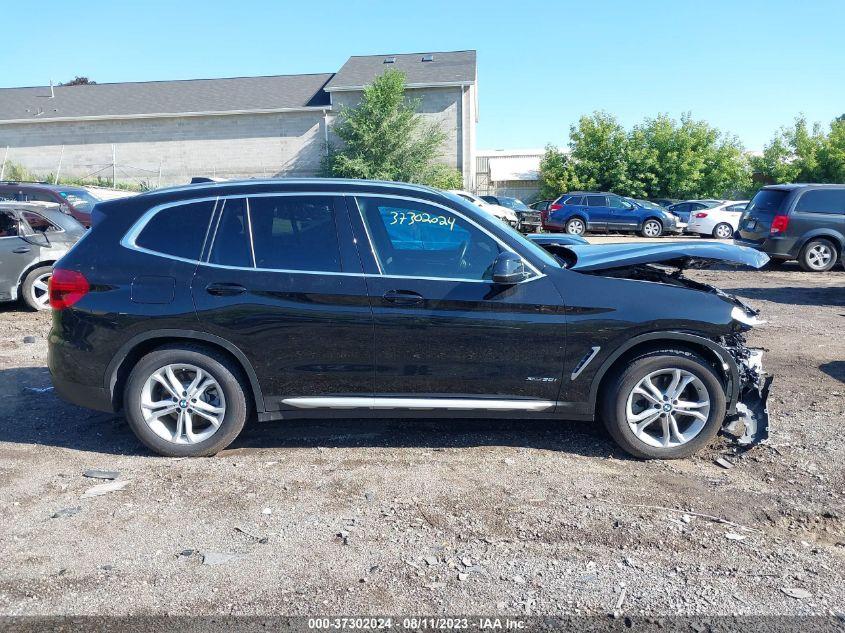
(749,426)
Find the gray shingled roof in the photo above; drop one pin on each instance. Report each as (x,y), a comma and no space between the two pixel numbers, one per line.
(164,97)
(446,68)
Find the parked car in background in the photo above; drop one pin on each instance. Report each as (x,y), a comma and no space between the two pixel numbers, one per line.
(33,235)
(796,221)
(320,297)
(664,202)
(720,221)
(648,204)
(685,208)
(529,219)
(506,215)
(579,212)
(75,201)
(107,193)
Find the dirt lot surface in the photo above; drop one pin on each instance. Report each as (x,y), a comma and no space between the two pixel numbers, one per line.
(435,517)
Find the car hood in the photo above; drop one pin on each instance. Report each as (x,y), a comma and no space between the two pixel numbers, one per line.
(680,254)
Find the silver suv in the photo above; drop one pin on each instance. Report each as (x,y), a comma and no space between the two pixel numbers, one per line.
(33,235)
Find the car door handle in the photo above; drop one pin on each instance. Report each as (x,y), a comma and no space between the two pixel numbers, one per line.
(404,297)
(22,249)
(225,290)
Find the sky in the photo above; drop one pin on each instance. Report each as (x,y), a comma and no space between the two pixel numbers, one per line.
(746,67)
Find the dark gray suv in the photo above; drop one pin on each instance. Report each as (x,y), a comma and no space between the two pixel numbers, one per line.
(796,221)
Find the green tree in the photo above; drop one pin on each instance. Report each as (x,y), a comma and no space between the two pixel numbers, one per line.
(557,173)
(598,150)
(832,153)
(384,138)
(79,81)
(690,158)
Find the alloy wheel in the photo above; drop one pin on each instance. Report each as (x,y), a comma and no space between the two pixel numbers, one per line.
(40,291)
(182,404)
(724,231)
(575,227)
(668,408)
(651,229)
(818,257)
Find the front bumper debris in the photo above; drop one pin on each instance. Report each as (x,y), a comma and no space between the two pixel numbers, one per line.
(749,426)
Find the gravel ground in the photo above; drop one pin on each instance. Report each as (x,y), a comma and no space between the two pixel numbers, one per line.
(434,517)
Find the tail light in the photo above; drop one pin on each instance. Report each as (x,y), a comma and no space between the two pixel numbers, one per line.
(779,224)
(555,207)
(66,288)
(701,215)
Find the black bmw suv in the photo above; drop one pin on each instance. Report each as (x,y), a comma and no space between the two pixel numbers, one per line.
(195,309)
(796,221)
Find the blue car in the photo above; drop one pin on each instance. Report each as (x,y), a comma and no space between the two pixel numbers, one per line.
(579,212)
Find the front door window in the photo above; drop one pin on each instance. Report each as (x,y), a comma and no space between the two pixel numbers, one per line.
(414,239)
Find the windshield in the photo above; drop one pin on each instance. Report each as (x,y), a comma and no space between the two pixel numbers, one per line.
(513,203)
(646,204)
(536,250)
(79,199)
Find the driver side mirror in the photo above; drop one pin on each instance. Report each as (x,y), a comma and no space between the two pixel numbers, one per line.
(508,269)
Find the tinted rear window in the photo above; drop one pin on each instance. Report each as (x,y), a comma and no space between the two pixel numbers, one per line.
(294,233)
(822,201)
(178,231)
(231,236)
(574,201)
(767,202)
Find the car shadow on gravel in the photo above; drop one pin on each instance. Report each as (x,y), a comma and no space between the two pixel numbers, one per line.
(834,369)
(32,413)
(825,296)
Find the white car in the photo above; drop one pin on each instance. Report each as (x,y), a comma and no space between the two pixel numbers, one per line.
(720,221)
(503,213)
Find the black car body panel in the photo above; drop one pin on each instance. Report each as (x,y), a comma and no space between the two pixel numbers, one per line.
(805,221)
(361,333)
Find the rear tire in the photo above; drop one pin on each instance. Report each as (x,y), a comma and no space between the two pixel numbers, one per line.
(197,437)
(622,407)
(818,255)
(34,289)
(575,226)
(723,231)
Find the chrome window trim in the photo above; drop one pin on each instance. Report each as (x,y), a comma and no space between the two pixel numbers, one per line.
(129,240)
(537,274)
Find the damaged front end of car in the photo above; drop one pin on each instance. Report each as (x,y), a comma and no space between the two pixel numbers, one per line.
(747,424)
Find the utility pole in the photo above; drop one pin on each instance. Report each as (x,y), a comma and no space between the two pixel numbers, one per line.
(160,161)
(113,168)
(59,167)
(3,168)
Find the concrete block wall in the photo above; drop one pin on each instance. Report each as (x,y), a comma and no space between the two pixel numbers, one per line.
(229,146)
(226,146)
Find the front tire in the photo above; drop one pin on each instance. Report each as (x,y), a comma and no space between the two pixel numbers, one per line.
(665,404)
(34,289)
(185,401)
(652,228)
(818,255)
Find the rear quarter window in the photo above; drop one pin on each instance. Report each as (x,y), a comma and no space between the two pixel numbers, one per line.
(178,231)
(822,201)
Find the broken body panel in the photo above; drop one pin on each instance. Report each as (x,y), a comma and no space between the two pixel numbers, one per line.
(748,425)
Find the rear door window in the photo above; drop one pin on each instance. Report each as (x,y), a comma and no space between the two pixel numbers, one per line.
(767,202)
(231,245)
(294,233)
(822,201)
(178,231)
(596,201)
